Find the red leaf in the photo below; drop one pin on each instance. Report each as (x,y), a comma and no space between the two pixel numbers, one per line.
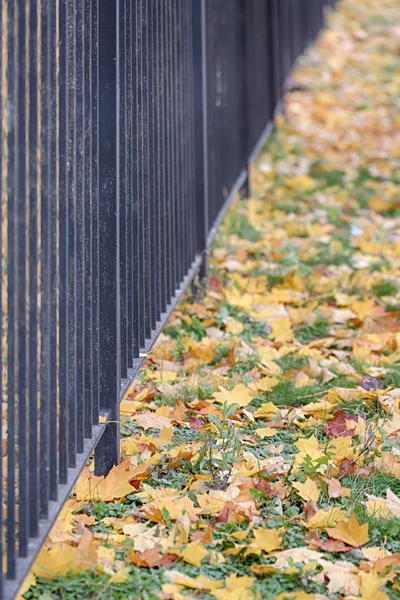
(148,558)
(215,284)
(330,545)
(195,423)
(347,468)
(135,483)
(310,508)
(223,515)
(337,426)
(168,560)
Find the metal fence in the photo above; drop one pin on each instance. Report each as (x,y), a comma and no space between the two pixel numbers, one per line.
(127,127)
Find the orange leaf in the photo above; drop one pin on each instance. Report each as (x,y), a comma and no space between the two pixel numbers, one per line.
(350,532)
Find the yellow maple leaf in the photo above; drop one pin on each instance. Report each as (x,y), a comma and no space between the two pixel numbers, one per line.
(144,538)
(350,532)
(266,540)
(152,421)
(338,395)
(342,575)
(177,508)
(204,351)
(63,558)
(129,407)
(308,447)
(160,376)
(363,308)
(120,576)
(307,490)
(178,536)
(281,330)
(236,587)
(268,410)
(264,432)
(238,395)
(116,485)
(326,517)
(370,583)
(233,326)
(265,384)
(341,448)
(194,553)
(197,583)
(300,183)
(286,558)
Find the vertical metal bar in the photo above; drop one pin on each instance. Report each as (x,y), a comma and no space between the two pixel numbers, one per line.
(44,166)
(140,173)
(177,141)
(63,237)
(188,249)
(172,147)
(88,222)
(123,197)
(245,91)
(53,192)
(146,199)
(162,160)
(157,99)
(169,155)
(94,78)
(107,450)
(181,143)
(21,206)
(200,129)
(72,242)
(152,209)
(3,167)
(135,182)
(132,336)
(275,52)
(80,220)
(10,19)
(191,138)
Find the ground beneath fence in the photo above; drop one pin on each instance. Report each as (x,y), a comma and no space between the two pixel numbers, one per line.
(261,454)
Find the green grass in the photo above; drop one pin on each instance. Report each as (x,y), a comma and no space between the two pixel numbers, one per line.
(385,288)
(236,223)
(141,583)
(291,361)
(195,330)
(325,257)
(307,333)
(392,377)
(376,484)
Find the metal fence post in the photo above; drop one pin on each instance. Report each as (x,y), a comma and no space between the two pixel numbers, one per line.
(245,109)
(107,450)
(200,131)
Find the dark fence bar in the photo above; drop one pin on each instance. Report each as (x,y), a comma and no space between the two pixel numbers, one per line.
(127,129)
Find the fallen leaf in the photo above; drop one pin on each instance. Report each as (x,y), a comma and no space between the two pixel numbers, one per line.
(152,421)
(350,532)
(115,486)
(238,395)
(197,583)
(307,490)
(326,517)
(266,540)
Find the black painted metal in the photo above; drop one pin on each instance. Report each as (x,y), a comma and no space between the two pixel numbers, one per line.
(127,129)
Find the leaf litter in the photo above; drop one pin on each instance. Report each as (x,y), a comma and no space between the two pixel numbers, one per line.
(261,454)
